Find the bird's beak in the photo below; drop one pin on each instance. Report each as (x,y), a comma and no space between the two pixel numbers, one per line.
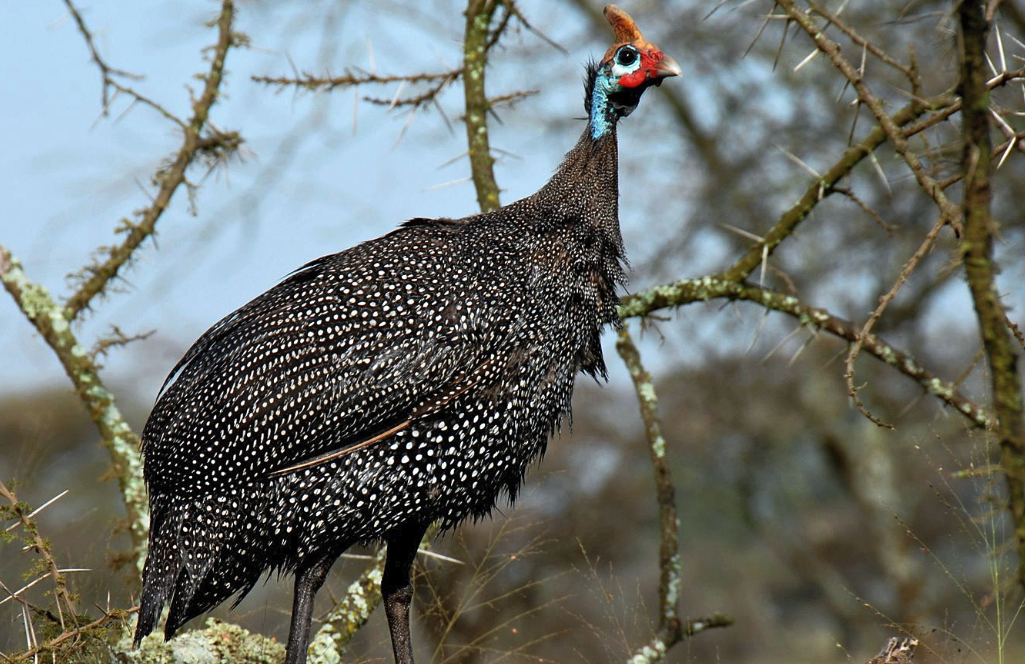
(667,67)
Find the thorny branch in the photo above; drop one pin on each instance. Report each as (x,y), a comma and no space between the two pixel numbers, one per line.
(941,106)
(949,211)
(199,140)
(981,269)
(438,82)
(671,630)
(884,301)
(687,291)
(121,442)
(25,518)
(53,320)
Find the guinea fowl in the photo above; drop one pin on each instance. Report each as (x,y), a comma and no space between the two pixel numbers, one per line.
(409,380)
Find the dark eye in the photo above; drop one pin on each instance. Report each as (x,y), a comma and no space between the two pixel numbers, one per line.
(626,56)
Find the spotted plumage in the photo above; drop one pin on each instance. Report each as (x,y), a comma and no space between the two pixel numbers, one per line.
(411,379)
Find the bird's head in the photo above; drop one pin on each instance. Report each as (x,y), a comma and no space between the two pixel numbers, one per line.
(629,67)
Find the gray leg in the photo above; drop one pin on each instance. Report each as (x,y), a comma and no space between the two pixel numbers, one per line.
(397,588)
(308,580)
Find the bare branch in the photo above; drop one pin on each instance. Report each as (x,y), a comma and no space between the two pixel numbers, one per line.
(199,141)
(708,288)
(670,629)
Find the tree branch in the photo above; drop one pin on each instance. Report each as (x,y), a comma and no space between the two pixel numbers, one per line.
(981,269)
(197,142)
(715,287)
(121,442)
(670,629)
(949,211)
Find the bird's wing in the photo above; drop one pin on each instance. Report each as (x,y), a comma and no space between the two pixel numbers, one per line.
(329,359)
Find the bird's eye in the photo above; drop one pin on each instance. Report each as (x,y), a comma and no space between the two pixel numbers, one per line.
(626,56)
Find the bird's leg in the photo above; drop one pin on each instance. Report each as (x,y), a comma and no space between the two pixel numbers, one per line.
(308,580)
(397,588)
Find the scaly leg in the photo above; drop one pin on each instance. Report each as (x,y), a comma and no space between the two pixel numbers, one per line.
(397,587)
(308,580)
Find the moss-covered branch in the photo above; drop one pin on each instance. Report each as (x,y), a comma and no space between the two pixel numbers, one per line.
(716,287)
(349,615)
(981,270)
(216,642)
(671,630)
(121,442)
(52,320)
(475,60)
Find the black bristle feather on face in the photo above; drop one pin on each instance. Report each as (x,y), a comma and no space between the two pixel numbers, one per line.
(409,380)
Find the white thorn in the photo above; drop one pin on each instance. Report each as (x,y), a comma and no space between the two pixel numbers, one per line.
(802,63)
(432,554)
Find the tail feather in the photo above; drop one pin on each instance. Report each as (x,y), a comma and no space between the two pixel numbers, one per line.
(158,576)
(195,563)
(226,578)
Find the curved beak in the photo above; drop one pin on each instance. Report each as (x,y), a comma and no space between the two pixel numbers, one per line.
(667,67)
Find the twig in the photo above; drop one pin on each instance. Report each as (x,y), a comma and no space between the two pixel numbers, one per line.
(106,71)
(884,301)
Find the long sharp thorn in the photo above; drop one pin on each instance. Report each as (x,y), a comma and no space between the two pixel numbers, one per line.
(1000,49)
(758,331)
(758,34)
(879,170)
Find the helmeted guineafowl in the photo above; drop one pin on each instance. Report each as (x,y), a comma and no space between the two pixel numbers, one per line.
(408,380)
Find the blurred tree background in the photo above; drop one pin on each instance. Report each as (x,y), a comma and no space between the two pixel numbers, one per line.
(816,530)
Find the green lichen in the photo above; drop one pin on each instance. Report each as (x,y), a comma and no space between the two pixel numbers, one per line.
(650,654)
(217,643)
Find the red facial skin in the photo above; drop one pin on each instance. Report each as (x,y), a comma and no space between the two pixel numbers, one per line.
(648,69)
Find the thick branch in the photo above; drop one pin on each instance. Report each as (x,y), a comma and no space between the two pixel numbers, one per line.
(121,442)
(708,288)
(981,269)
(475,59)
(169,178)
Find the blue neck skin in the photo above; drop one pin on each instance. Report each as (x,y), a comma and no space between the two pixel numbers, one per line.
(603,118)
